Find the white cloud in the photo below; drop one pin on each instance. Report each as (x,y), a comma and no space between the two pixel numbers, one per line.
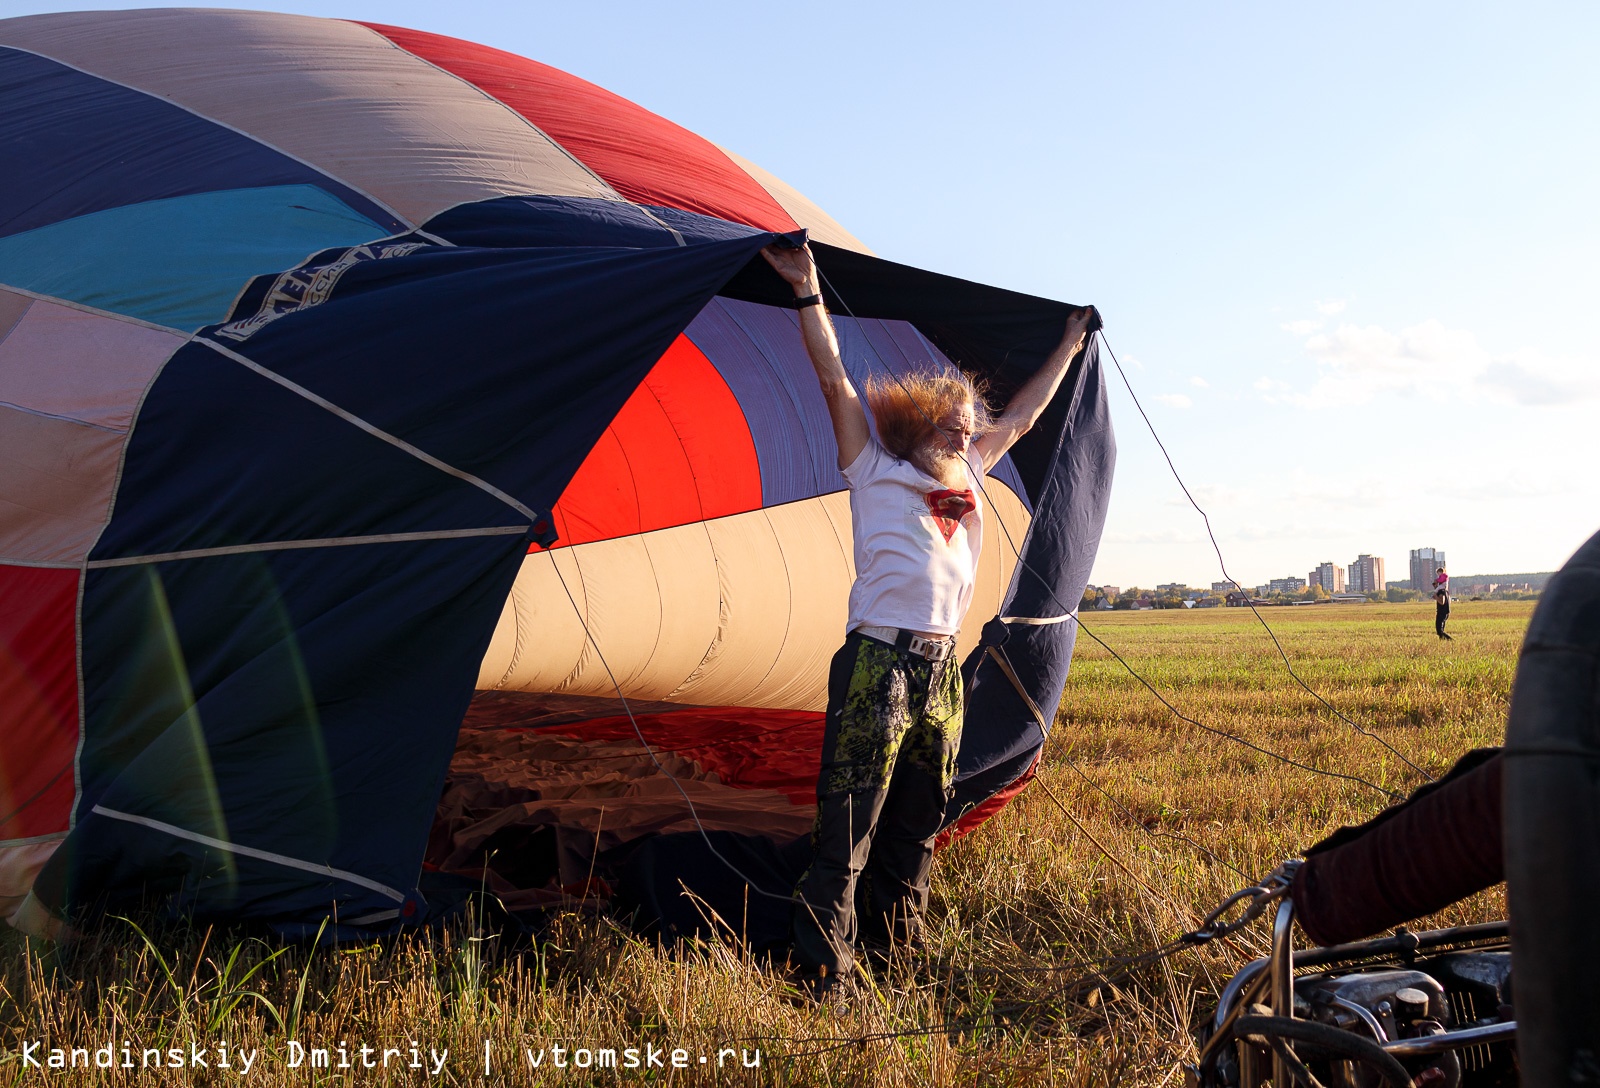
(1531,378)
(1358,363)
(1301,328)
(1332,306)
(1152,536)
(1504,485)
(1287,529)
(1175,400)
(1199,383)
(1213,497)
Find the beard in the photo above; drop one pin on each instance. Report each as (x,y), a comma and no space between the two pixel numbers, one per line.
(944,464)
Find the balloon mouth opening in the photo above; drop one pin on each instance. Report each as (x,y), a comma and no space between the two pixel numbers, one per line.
(547,795)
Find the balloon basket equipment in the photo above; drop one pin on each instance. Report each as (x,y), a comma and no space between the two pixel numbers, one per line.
(1430,1010)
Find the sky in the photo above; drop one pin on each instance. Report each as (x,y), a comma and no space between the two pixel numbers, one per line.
(1346,254)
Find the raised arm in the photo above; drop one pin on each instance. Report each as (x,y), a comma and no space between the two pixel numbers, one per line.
(1029,402)
(849,415)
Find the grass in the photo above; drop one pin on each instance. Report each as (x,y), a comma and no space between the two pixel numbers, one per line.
(1031,890)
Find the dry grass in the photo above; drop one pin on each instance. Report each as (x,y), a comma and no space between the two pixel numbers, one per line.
(1028,891)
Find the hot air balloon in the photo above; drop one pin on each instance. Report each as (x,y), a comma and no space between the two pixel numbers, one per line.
(408,468)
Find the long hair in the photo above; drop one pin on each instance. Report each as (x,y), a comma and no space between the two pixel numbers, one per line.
(908,409)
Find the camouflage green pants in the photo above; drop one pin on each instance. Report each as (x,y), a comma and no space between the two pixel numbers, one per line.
(888,765)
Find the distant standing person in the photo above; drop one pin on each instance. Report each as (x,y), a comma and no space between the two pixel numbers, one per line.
(1441,602)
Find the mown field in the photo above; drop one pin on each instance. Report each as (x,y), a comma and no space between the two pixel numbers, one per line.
(1063,875)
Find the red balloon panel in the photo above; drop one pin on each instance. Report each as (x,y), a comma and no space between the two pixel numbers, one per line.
(39,691)
(646,158)
(678,452)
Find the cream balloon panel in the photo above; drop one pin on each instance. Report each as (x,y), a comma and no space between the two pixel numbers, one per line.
(744,610)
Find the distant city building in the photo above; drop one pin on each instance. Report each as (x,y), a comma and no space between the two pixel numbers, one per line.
(1484,589)
(1329,576)
(1222,587)
(1365,575)
(1113,592)
(1424,562)
(1285,585)
(1172,587)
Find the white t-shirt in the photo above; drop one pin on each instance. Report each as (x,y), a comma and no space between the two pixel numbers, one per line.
(916,544)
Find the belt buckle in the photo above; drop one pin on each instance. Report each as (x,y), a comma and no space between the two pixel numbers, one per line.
(928,648)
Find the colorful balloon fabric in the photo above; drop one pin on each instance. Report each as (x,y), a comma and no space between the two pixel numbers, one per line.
(383,418)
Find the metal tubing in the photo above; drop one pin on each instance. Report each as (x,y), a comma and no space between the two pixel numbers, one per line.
(1236,986)
(1379,1036)
(1282,980)
(1400,946)
(1283,960)
(1453,1040)
(1248,1076)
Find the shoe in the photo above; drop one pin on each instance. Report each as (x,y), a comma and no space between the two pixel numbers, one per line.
(882,954)
(831,991)
(835,994)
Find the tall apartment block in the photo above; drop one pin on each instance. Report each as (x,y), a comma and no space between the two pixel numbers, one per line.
(1365,574)
(1329,575)
(1424,561)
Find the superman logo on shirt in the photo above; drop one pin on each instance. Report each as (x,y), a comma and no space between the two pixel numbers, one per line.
(948,508)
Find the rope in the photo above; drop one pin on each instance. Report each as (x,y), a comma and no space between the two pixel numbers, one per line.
(1223,566)
(1103,975)
(1086,833)
(1072,611)
(1119,967)
(651,752)
(1000,659)
(1391,794)
(1153,834)
(1123,965)
(38,793)
(1105,972)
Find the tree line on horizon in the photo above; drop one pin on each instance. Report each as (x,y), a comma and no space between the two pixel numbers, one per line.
(1125,599)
